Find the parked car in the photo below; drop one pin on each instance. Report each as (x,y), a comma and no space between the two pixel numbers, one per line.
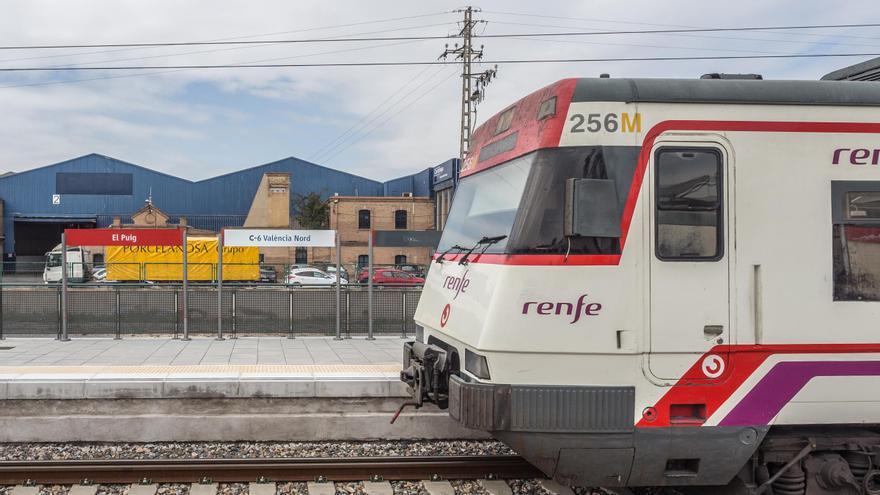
(311,276)
(415,270)
(331,269)
(99,274)
(390,276)
(268,275)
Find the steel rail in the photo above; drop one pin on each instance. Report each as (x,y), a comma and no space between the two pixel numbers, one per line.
(244,470)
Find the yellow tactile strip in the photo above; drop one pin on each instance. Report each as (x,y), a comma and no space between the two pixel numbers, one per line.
(256,369)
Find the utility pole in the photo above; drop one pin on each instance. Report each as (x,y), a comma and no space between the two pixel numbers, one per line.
(473,85)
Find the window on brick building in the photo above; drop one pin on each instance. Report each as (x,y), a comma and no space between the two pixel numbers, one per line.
(400,219)
(301,255)
(363,219)
(400,259)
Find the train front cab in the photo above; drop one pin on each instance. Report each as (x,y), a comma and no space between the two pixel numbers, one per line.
(585,435)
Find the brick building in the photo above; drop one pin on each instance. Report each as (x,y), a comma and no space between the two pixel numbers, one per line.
(355,216)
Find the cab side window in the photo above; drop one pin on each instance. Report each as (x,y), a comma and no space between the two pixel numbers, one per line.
(689,204)
(855,239)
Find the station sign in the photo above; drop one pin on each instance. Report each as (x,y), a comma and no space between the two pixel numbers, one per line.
(123,237)
(278,238)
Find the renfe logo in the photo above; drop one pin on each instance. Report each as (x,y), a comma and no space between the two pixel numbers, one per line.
(857,156)
(458,285)
(558,308)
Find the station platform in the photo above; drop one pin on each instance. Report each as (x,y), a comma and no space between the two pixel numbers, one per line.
(245,389)
(155,368)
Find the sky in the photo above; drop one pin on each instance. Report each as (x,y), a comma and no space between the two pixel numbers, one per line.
(378,122)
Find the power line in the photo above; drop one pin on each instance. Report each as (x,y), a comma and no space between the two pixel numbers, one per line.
(274,33)
(144,74)
(395,114)
(439,62)
(180,54)
(775,40)
(404,38)
(327,146)
(331,151)
(636,45)
(634,23)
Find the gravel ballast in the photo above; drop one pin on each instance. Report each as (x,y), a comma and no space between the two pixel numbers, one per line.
(247,450)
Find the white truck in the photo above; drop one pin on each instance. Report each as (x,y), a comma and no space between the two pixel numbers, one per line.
(79,263)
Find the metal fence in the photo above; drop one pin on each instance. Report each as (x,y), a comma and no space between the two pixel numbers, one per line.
(135,309)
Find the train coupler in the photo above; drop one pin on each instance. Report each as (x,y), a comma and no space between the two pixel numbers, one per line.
(426,372)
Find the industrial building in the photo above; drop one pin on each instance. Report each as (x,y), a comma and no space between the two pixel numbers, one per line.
(92,190)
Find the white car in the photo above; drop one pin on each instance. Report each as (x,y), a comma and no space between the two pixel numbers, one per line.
(311,276)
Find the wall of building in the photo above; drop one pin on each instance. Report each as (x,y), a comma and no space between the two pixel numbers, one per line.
(344,219)
(418,184)
(212,204)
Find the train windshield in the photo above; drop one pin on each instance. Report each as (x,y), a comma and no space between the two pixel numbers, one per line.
(485,204)
(524,199)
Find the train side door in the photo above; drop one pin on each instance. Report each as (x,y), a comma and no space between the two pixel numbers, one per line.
(689,267)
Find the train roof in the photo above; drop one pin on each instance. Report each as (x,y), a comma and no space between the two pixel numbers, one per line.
(728,91)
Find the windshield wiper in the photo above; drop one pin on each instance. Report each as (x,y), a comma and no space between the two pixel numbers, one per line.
(485,242)
(444,253)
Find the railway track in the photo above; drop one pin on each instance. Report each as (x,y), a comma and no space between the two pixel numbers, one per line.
(243,470)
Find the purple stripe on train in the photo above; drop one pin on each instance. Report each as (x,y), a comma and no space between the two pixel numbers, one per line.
(783,382)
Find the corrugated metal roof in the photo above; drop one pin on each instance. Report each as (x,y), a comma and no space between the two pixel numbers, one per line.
(868,70)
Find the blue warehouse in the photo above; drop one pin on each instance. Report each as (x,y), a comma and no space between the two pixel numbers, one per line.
(91,190)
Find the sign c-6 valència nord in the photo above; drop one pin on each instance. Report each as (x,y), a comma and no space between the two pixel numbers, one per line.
(278,238)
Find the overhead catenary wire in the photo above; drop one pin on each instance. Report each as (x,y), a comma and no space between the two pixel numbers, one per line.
(233,38)
(436,37)
(369,120)
(711,37)
(216,50)
(637,23)
(395,114)
(158,72)
(378,107)
(442,62)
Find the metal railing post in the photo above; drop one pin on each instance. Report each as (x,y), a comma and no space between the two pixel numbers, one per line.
(184,301)
(370,286)
(289,313)
(176,314)
(118,335)
(220,286)
(403,313)
(2,267)
(234,335)
(348,312)
(64,336)
(338,288)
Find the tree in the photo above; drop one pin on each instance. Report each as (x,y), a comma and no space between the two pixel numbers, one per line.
(311,212)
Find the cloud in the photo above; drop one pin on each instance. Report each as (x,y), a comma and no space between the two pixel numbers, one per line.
(198,123)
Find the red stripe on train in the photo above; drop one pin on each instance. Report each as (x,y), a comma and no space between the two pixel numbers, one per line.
(693,388)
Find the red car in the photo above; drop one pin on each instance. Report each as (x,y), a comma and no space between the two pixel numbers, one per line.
(389,276)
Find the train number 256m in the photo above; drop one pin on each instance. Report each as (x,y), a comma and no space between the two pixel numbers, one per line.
(609,122)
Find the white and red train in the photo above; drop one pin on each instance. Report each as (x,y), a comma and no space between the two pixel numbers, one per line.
(651,282)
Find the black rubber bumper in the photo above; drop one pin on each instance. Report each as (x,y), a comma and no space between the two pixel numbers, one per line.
(544,408)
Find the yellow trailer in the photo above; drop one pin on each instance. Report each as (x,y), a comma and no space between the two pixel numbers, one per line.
(165,263)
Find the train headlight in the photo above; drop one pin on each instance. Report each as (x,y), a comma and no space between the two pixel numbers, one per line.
(476,365)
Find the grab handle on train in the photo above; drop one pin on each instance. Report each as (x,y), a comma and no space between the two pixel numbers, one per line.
(712,331)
